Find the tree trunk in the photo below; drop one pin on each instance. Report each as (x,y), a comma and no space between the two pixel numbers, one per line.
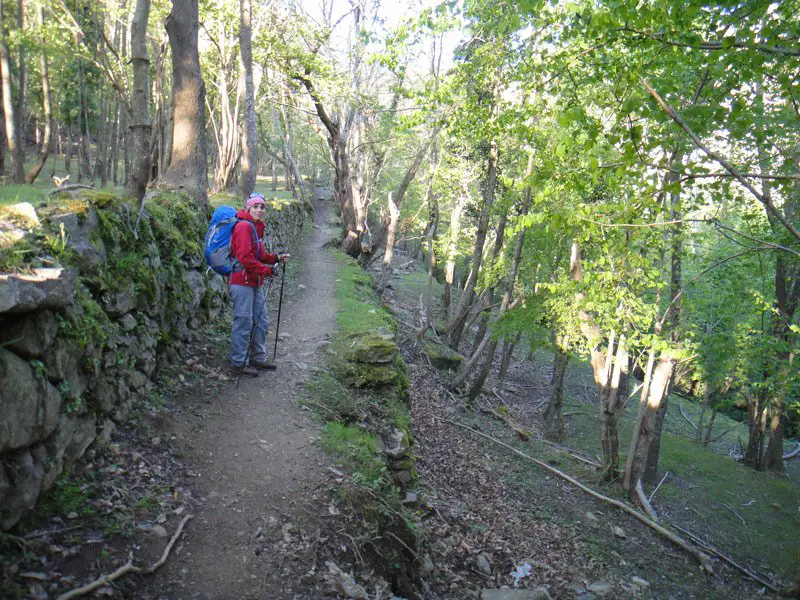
(68,152)
(288,146)
(115,145)
(508,353)
(187,168)
(391,230)
(84,161)
(101,156)
(553,417)
(672,180)
(467,298)
(19,111)
(656,389)
(141,125)
(226,133)
(491,349)
(47,136)
(456,208)
(610,411)
(388,227)
(431,232)
(247,182)
(13,135)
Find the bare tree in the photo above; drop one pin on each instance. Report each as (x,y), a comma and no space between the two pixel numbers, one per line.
(249,161)
(47,135)
(13,134)
(187,168)
(141,126)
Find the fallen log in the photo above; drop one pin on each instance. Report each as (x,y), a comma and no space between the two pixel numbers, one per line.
(701,557)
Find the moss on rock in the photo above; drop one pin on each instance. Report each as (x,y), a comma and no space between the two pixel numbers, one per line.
(441,356)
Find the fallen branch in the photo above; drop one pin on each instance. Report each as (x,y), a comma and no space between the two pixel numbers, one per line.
(793,454)
(735,513)
(521,433)
(648,508)
(126,568)
(712,550)
(701,557)
(685,416)
(663,479)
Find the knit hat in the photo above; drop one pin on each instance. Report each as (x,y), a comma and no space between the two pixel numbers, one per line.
(253,199)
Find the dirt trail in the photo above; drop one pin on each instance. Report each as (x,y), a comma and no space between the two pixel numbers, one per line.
(258,473)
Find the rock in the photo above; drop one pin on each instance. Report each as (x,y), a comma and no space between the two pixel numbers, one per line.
(69,442)
(62,360)
(159,531)
(411,498)
(639,582)
(121,301)
(43,288)
(483,564)
(373,348)
(27,482)
(537,593)
(591,517)
(29,335)
(601,589)
(403,477)
(29,405)
(107,430)
(23,215)
(618,532)
(108,393)
(394,444)
(127,322)
(426,566)
(441,356)
(197,287)
(5,484)
(80,229)
(344,583)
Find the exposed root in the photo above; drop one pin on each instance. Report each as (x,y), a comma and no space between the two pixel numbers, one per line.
(126,568)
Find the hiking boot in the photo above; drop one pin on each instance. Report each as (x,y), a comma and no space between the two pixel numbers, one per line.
(263,365)
(245,370)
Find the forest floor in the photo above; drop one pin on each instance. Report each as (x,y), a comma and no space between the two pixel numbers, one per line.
(266,523)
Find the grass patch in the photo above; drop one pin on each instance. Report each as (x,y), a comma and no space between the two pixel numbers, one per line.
(706,490)
(14,193)
(359,310)
(358,451)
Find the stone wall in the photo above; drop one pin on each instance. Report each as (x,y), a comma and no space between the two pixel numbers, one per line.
(106,294)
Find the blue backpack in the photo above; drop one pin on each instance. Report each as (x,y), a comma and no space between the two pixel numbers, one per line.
(217,250)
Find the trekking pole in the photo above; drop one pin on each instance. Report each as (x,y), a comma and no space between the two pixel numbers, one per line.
(280,302)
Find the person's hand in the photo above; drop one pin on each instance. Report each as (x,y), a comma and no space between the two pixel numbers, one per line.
(284,257)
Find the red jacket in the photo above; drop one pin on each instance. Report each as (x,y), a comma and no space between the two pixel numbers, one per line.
(253,258)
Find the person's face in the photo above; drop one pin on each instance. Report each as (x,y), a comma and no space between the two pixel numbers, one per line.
(257,211)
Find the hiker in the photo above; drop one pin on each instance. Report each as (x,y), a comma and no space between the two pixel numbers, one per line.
(253,264)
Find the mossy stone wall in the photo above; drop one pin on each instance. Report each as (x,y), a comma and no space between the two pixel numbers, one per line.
(98,293)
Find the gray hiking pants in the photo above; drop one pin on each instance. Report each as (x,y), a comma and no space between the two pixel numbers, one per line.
(250,325)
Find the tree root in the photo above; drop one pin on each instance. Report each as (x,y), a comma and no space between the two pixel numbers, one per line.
(126,568)
(701,557)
